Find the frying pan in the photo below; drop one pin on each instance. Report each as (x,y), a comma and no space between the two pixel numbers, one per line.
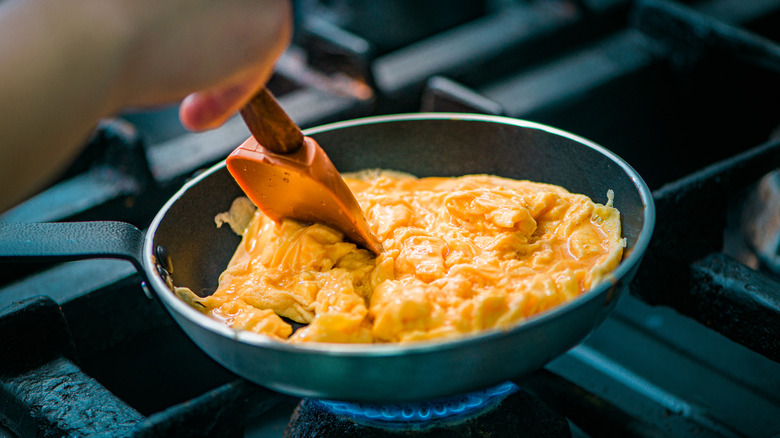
(183,246)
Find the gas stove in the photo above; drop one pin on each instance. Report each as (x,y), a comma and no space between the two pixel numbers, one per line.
(685,91)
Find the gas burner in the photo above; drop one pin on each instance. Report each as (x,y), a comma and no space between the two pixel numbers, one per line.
(502,410)
(422,415)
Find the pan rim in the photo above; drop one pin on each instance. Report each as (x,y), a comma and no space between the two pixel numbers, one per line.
(628,263)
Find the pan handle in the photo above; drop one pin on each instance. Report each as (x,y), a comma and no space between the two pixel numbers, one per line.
(66,241)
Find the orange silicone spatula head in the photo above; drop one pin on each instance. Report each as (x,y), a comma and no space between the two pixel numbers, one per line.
(288,175)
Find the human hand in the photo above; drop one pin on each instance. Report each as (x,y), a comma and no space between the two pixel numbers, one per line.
(65,64)
(218,54)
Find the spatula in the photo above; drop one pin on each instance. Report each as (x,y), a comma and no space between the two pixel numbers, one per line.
(288,175)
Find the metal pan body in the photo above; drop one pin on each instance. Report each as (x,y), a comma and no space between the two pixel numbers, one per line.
(423,145)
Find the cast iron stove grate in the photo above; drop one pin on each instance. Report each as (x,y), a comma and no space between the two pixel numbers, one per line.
(693,349)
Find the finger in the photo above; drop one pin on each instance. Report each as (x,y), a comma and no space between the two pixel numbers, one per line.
(209,109)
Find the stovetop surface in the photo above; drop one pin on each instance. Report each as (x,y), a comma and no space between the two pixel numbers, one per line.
(680,89)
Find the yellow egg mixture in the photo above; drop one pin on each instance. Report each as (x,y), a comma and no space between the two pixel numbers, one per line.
(461,255)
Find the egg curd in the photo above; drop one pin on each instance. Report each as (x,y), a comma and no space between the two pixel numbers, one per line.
(461,255)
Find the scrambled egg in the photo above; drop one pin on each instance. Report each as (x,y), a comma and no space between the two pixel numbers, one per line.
(461,255)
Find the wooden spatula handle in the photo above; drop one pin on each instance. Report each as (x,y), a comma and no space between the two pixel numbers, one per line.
(270,125)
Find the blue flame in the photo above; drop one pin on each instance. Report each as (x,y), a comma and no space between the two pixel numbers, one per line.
(413,415)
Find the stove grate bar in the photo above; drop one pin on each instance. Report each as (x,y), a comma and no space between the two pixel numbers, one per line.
(742,303)
(691,214)
(58,399)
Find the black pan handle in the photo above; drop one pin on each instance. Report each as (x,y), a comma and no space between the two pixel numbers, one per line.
(65,241)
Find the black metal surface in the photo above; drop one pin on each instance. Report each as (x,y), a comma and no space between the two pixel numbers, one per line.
(670,100)
(672,86)
(392,24)
(332,49)
(667,375)
(111,364)
(44,393)
(594,415)
(58,399)
(35,331)
(737,301)
(693,213)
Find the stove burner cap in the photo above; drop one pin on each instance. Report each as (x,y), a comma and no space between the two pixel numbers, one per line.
(422,414)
